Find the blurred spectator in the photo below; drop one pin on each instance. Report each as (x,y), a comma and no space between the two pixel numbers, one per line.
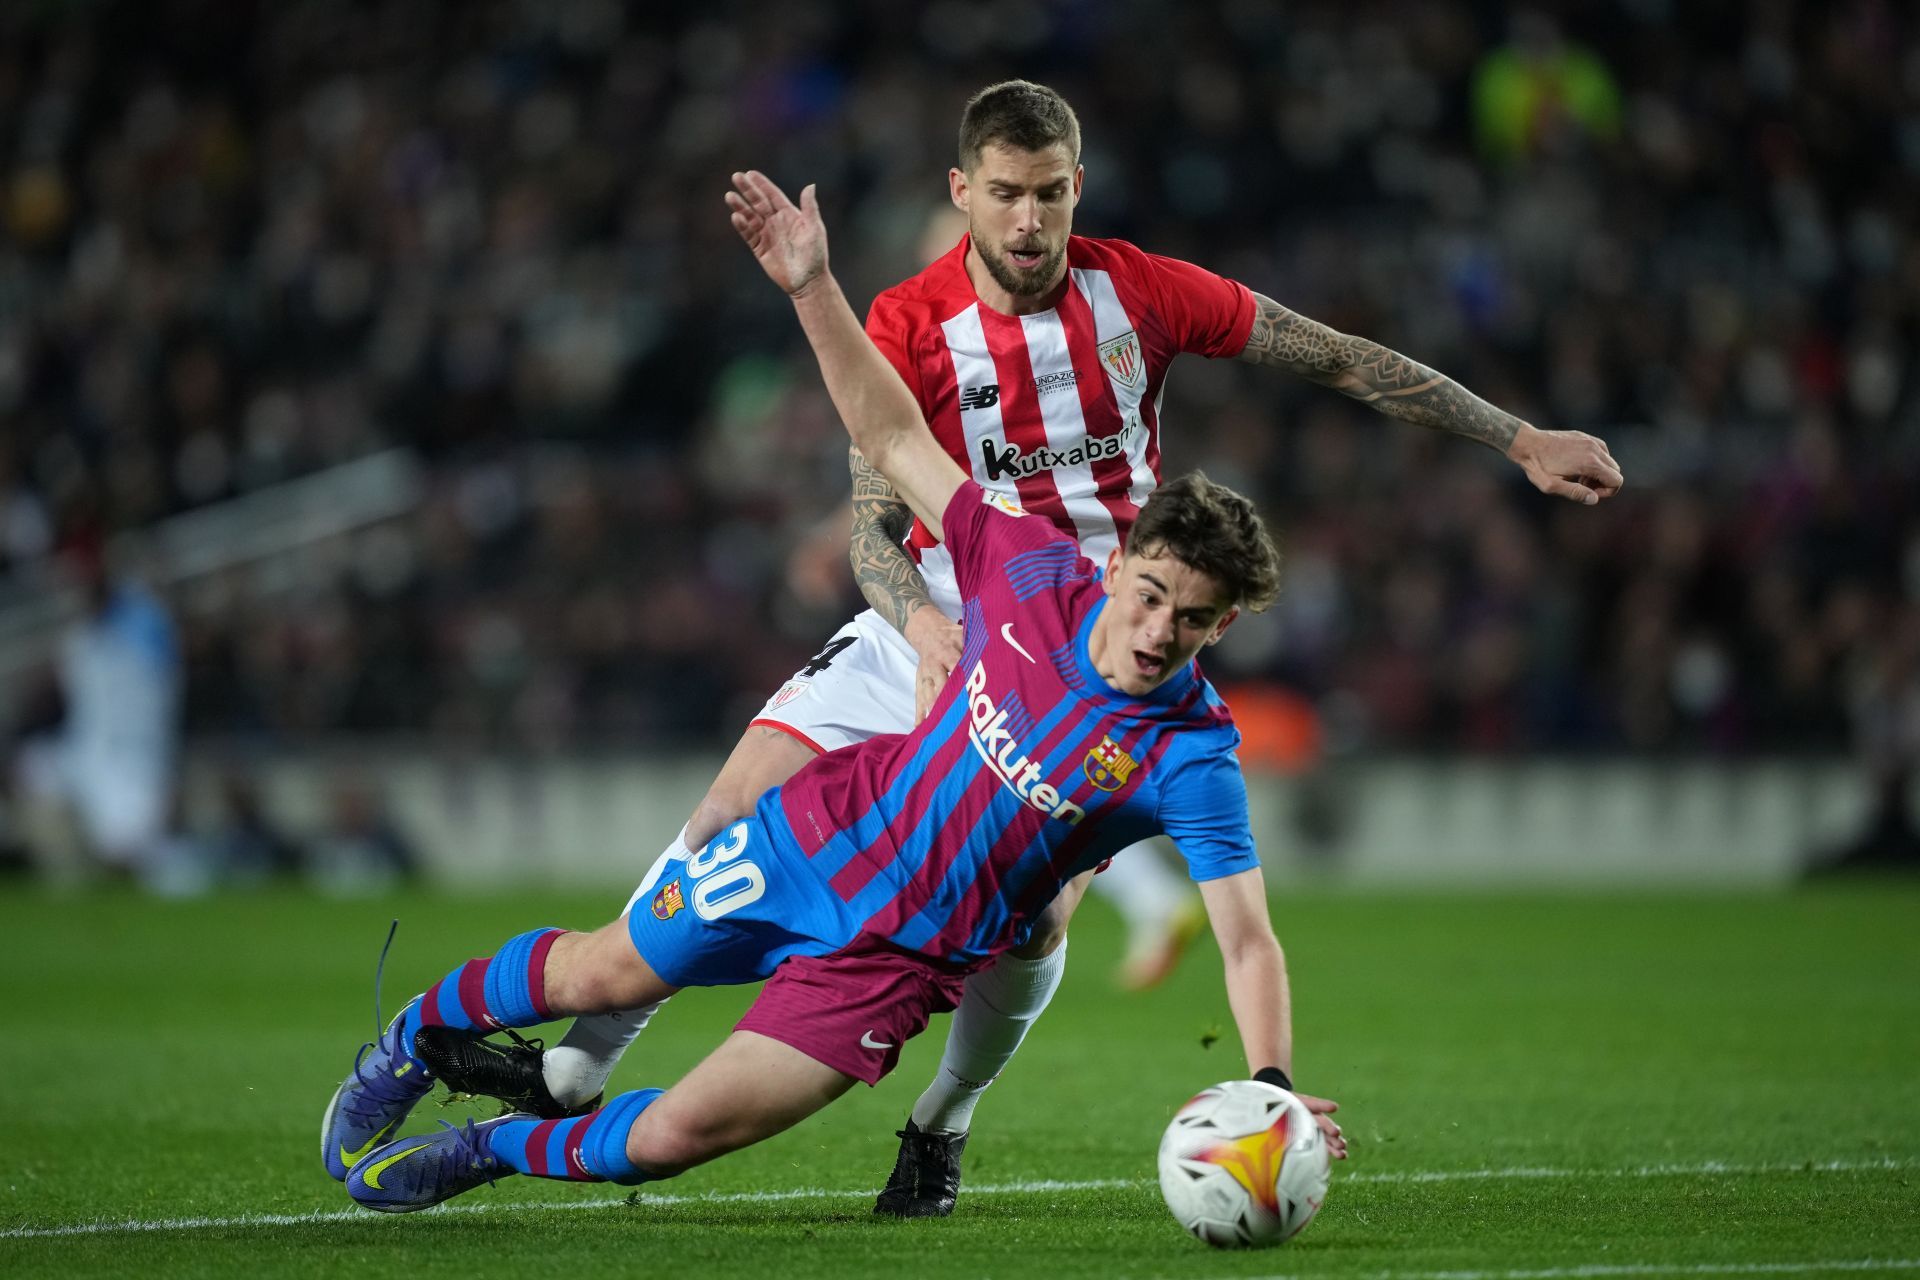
(244,243)
(362,849)
(247,844)
(1530,94)
(1886,704)
(110,761)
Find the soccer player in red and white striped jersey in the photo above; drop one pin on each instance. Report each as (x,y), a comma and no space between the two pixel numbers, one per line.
(1057,408)
(1038,358)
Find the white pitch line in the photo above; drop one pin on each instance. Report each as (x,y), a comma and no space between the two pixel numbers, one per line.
(1711,1168)
(1599,1271)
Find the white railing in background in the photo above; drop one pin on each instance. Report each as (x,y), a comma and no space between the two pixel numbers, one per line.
(253,528)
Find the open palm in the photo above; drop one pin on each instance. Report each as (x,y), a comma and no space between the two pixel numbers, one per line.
(790,241)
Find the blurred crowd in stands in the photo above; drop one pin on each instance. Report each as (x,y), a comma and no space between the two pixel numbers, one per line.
(245,242)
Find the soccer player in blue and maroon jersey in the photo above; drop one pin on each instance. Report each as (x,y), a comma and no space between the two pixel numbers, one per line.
(866,889)
(1037,357)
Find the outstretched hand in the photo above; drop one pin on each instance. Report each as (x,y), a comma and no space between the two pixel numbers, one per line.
(1323,1109)
(1567,464)
(790,241)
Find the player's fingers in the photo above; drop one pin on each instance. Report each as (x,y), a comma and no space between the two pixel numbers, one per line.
(1569,490)
(752,188)
(1336,1144)
(1606,471)
(809,201)
(744,187)
(1319,1106)
(764,189)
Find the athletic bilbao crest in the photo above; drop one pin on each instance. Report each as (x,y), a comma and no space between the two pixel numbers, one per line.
(1108,767)
(1122,358)
(668,901)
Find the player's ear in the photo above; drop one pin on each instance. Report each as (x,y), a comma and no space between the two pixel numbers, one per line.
(1220,627)
(1079,177)
(957,188)
(1114,557)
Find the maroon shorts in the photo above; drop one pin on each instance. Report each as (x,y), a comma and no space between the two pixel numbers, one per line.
(854,1009)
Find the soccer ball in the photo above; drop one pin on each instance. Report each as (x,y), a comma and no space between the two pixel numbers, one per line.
(1243,1164)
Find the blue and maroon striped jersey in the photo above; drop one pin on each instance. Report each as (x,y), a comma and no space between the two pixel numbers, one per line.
(1030,768)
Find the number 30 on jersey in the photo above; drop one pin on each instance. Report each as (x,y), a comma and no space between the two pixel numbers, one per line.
(722,880)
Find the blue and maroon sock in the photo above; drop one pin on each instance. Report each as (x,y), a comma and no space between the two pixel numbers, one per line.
(589,1148)
(507,989)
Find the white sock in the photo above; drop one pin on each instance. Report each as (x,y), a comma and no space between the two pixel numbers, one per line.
(1142,888)
(1000,1003)
(577,1068)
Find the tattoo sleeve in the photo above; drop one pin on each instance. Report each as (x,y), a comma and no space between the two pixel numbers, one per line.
(887,575)
(1383,379)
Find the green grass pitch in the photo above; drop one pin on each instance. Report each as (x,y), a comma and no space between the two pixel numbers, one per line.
(1536,1087)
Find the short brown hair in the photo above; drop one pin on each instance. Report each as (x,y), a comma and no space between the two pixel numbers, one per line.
(1209,527)
(1017,113)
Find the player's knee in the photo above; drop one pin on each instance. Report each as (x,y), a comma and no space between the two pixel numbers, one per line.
(596,973)
(720,806)
(666,1145)
(763,759)
(1049,931)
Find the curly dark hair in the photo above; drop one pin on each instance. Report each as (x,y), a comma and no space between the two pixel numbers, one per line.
(1016,113)
(1211,528)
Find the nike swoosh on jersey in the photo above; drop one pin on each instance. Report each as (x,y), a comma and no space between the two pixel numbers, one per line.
(867,1041)
(1006,633)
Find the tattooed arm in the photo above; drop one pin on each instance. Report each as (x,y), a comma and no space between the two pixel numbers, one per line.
(1570,464)
(891,581)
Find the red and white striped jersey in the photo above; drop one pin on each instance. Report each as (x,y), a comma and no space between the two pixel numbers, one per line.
(1058,411)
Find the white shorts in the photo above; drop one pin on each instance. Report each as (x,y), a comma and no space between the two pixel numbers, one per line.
(859,685)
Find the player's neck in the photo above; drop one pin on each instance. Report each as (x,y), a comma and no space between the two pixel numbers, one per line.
(988,290)
(1102,655)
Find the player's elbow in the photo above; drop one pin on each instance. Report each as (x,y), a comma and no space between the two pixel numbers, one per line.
(881,446)
(1348,381)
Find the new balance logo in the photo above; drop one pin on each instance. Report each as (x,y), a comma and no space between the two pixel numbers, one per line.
(980,397)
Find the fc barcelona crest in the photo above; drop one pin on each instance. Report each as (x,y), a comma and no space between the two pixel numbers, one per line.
(1108,767)
(668,901)
(1122,357)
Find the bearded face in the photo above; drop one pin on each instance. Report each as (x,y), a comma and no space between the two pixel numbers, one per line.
(1019,207)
